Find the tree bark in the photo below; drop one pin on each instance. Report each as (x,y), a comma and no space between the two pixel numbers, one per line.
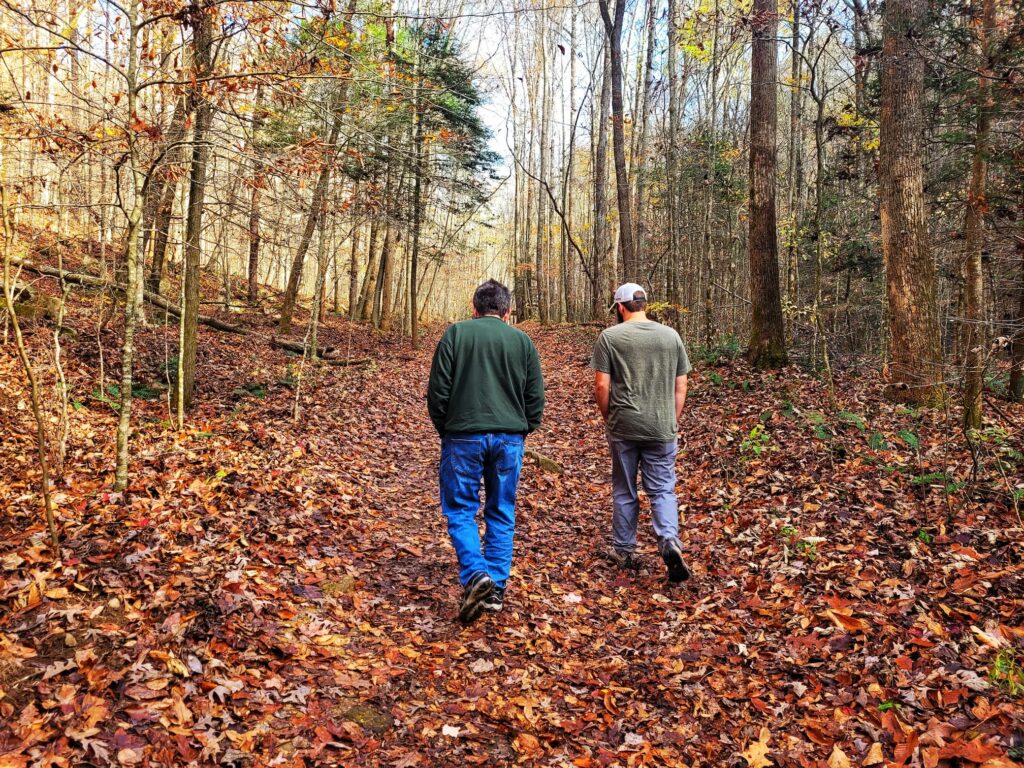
(640,125)
(159,203)
(363,311)
(1016,389)
(417,202)
(916,370)
(291,293)
(254,204)
(387,287)
(767,332)
(672,167)
(539,271)
(974,336)
(353,267)
(202,51)
(613,29)
(794,180)
(601,298)
(709,184)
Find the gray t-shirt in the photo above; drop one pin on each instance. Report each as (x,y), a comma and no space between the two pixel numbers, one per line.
(643,359)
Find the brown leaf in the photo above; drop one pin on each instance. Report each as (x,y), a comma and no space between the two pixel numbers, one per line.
(977,751)
(846,622)
(408,760)
(526,745)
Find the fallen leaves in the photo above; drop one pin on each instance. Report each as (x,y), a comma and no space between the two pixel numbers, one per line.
(267,589)
(526,745)
(756,754)
(846,621)
(838,758)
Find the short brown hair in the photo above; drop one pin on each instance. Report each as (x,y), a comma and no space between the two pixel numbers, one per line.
(638,304)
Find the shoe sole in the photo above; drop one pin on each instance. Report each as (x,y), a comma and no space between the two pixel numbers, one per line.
(677,570)
(473,604)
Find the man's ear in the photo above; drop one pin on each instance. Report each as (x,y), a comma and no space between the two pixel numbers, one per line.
(475,313)
(507,315)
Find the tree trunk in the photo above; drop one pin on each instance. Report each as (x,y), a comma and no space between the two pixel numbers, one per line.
(601,298)
(159,202)
(1016,390)
(366,300)
(291,293)
(417,202)
(916,370)
(202,49)
(613,28)
(767,332)
(133,257)
(353,268)
(382,294)
(794,180)
(640,123)
(254,206)
(539,271)
(672,183)
(974,336)
(709,184)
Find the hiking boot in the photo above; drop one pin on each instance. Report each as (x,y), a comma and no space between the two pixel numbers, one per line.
(478,589)
(495,601)
(673,557)
(626,560)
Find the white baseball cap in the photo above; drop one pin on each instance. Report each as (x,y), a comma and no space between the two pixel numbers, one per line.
(628,292)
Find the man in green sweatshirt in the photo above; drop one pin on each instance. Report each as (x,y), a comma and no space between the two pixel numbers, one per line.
(485,395)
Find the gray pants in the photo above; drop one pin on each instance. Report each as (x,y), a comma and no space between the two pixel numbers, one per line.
(657,465)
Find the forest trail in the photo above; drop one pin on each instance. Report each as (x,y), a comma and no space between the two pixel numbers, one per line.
(273,593)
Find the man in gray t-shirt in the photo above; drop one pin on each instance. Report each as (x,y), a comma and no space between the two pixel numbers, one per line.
(640,383)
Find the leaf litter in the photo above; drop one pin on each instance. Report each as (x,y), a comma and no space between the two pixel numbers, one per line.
(269,592)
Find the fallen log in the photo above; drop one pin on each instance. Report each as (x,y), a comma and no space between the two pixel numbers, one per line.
(340,361)
(327,354)
(330,355)
(80,278)
(299,347)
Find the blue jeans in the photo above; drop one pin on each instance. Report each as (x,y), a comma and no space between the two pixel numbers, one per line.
(657,465)
(465,459)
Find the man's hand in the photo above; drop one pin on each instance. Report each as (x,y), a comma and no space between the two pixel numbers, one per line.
(680,396)
(603,392)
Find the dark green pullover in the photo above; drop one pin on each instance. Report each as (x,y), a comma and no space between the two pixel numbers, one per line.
(485,378)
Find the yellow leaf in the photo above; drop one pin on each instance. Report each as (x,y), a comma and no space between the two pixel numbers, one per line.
(838,758)
(875,756)
(177,667)
(756,754)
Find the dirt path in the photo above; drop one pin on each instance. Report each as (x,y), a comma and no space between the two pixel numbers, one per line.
(564,657)
(280,593)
